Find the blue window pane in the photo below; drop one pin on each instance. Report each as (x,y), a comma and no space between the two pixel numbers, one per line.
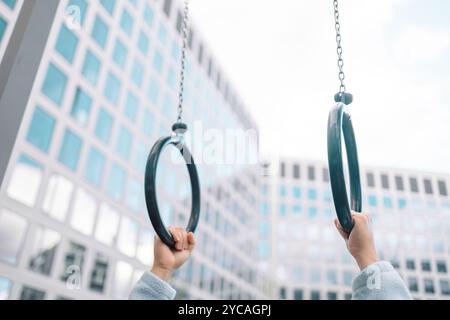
(126,23)
(134,192)
(134,2)
(123,146)
(162,34)
(10,3)
(41,129)
(296,192)
(70,150)
(3,26)
(104,126)
(158,61)
(140,158)
(5,288)
(264,229)
(131,106)
(282,191)
(82,5)
(176,51)
(81,107)
(55,84)
(264,209)
(283,210)
(137,73)
(112,89)
(94,166)
(312,212)
(296,209)
(147,123)
(91,67)
(109,5)
(120,54)
(264,249)
(401,203)
(143,43)
(116,182)
(372,200)
(328,212)
(387,202)
(67,43)
(148,15)
(312,194)
(153,91)
(171,78)
(100,32)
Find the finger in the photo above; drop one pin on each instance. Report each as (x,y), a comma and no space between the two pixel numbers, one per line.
(340,230)
(176,237)
(184,237)
(191,241)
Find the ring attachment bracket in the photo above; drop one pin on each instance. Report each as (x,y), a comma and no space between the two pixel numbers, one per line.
(340,123)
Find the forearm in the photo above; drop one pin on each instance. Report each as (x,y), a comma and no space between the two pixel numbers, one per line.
(151,287)
(380,281)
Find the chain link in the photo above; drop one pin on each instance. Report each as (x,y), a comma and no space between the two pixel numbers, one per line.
(184,31)
(340,61)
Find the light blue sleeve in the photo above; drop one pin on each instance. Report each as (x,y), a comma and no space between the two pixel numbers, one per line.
(380,281)
(150,287)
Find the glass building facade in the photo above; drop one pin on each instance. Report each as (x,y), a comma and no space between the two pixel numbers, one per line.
(411,215)
(73,221)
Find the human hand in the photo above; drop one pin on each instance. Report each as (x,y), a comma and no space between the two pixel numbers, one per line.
(167,260)
(360,241)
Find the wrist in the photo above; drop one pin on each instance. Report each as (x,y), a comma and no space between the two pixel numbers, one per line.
(366,260)
(161,272)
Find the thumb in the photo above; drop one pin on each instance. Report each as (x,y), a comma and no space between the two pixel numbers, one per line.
(340,230)
(191,241)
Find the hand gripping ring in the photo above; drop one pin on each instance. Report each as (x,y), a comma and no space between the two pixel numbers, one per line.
(150,188)
(340,120)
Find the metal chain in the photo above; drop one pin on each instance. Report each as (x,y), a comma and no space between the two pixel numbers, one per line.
(184,30)
(340,61)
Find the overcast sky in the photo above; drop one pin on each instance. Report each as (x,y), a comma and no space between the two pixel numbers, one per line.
(281,57)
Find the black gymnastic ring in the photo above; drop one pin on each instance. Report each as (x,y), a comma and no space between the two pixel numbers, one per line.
(150,188)
(339,120)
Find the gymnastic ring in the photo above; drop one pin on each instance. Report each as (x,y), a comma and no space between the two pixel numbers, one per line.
(339,120)
(150,188)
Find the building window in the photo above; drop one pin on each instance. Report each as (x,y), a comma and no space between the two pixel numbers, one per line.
(126,23)
(124,140)
(143,43)
(444,284)
(29,293)
(296,209)
(99,273)
(428,186)
(122,280)
(167,7)
(315,295)
(331,277)
(331,296)
(283,210)
(158,61)
(162,33)
(298,294)
(312,194)
(413,285)
(120,53)
(282,293)
(137,73)
(94,166)
(67,43)
(348,278)
(372,199)
(82,5)
(131,107)
(91,68)
(282,191)
(387,201)
(296,171)
(43,250)
(264,209)
(109,5)
(442,188)
(107,225)
(69,153)
(25,181)
(116,182)
(311,173)
(401,203)
(128,236)
(370,180)
(441,266)
(148,15)
(413,185)
(41,129)
(57,197)
(12,234)
(135,194)
(5,288)
(426,265)
(112,89)
(144,250)
(410,264)
(429,286)
(3,26)
(399,184)
(312,212)
(325,175)
(54,85)
(73,261)
(153,91)
(296,192)
(282,169)
(348,296)
(100,32)
(104,126)
(10,3)
(81,107)
(384,181)
(83,212)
